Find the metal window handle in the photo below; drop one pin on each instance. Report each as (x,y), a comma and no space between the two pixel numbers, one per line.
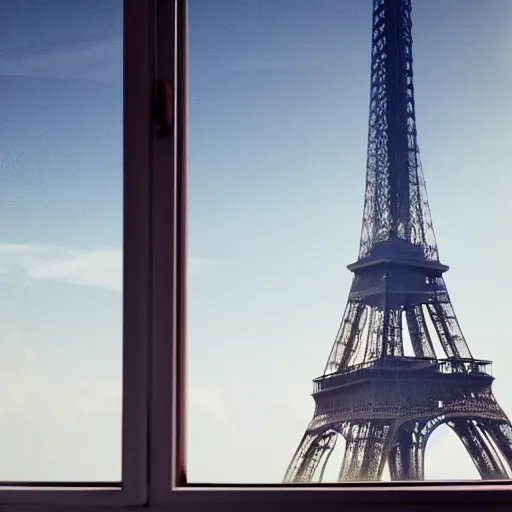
(163,108)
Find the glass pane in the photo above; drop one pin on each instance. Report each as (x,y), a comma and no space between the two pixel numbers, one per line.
(285,130)
(60,240)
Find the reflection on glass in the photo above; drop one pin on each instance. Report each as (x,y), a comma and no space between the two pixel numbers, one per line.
(283,156)
(60,240)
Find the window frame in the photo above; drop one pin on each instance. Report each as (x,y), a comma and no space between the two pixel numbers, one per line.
(168,484)
(154,462)
(137,143)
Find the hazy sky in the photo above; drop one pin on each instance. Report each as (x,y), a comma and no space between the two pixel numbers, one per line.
(278,127)
(60,239)
(279,96)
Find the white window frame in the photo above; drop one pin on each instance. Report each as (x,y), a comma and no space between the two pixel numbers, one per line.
(154,398)
(167,457)
(137,146)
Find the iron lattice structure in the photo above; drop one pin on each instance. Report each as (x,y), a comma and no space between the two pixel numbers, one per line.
(383,403)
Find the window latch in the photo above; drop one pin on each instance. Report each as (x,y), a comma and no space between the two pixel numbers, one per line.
(163,108)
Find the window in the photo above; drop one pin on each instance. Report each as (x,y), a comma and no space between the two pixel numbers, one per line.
(62,241)
(74,252)
(266,117)
(154,470)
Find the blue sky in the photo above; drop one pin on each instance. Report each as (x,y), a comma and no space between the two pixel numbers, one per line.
(279,96)
(60,239)
(278,128)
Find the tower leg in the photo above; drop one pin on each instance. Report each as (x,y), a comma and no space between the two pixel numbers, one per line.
(406,458)
(484,456)
(313,453)
(365,452)
(501,434)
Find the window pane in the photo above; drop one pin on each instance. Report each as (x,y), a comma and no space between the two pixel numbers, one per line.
(281,143)
(61,240)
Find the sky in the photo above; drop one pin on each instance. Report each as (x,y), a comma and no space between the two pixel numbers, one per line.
(278,101)
(279,97)
(60,239)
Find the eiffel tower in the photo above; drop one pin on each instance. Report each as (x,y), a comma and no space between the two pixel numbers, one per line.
(384,404)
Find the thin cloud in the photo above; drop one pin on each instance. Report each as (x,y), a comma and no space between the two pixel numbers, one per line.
(98,61)
(26,263)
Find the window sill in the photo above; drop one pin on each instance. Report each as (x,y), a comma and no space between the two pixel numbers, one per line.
(494,497)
